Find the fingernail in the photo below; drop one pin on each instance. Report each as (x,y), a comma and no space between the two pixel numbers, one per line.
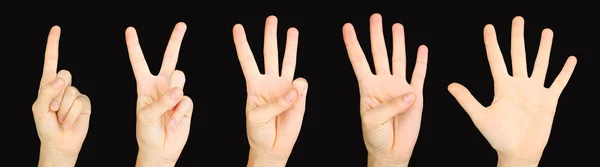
(54,105)
(66,125)
(172,122)
(57,83)
(60,119)
(409,98)
(174,94)
(304,91)
(290,96)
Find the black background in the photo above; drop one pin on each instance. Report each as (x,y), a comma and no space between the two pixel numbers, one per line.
(92,48)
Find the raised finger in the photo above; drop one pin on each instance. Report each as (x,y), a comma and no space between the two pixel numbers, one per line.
(399,50)
(244,53)
(541,61)
(355,53)
(380,57)
(494,54)
(270,48)
(563,77)
(51,56)
(289,59)
(418,76)
(136,56)
(517,48)
(172,52)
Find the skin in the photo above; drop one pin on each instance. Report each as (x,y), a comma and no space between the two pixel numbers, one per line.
(61,112)
(275,104)
(517,124)
(390,106)
(163,111)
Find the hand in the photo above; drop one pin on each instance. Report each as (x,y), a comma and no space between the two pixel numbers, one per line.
(163,111)
(390,107)
(275,105)
(518,122)
(61,113)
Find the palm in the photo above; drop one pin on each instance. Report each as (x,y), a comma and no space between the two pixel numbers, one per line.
(172,137)
(518,122)
(388,131)
(69,140)
(273,124)
(520,118)
(262,91)
(401,128)
(163,132)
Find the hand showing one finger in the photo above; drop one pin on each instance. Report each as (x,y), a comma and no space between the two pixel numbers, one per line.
(61,112)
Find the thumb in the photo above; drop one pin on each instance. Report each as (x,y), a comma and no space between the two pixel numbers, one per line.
(466,101)
(166,102)
(265,112)
(389,109)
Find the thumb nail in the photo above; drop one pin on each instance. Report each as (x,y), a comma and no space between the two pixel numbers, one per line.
(290,95)
(409,98)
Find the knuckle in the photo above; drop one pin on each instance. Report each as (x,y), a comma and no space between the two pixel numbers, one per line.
(71,90)
(46,89)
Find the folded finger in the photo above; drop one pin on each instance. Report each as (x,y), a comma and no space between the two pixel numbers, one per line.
(70,94)
(181,110)
(80,109)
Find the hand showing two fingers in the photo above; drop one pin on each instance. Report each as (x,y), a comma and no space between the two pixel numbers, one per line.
(276,103)
(163,111)
(61,112)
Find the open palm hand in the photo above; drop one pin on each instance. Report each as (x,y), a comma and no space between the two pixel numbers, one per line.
(390,107)
(163,112)
(517,123)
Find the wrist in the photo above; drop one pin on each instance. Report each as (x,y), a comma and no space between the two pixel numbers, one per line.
(51,157)
(383,161)
(258,158)
(147,159)
(508,161)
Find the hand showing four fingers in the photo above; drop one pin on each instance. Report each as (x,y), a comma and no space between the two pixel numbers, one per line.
(163,111)
(390,107)
(275,104)
(518,122)
(61,112)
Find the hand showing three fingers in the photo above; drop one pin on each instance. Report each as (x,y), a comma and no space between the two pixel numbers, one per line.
(61,112)
(275,104)
(518,122)
(390,107)
(163,111)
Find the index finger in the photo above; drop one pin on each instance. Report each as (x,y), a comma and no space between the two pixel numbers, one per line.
(51,56)
(355,52)
(136,56)
(244,53)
